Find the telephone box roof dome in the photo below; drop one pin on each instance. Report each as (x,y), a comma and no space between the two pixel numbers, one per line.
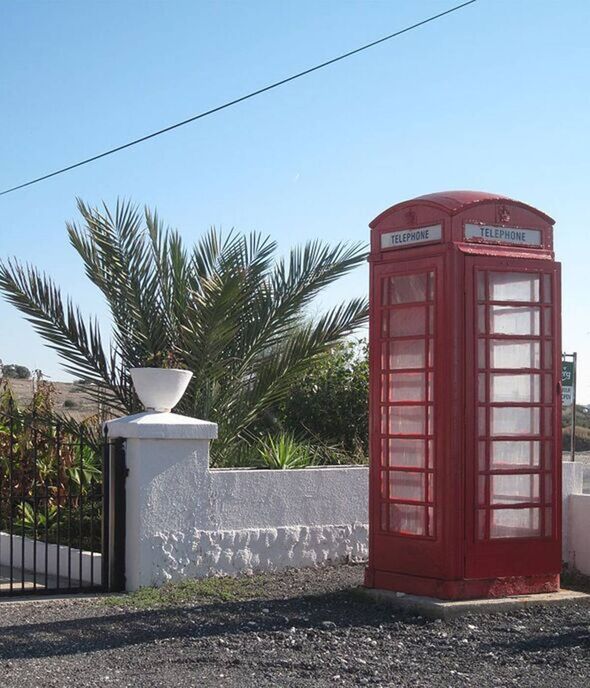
(454,202)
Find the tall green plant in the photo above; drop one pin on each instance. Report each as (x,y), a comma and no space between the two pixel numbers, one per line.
(329,403)
(225,308)
(285,452)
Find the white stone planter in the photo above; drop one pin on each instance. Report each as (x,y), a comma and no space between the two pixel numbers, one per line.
(160,389)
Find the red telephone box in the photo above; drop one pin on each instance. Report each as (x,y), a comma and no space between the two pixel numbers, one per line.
(465,476)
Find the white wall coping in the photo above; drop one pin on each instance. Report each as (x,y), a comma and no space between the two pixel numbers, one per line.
(150,425)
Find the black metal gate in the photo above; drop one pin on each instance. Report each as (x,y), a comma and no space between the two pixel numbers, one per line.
(61,507)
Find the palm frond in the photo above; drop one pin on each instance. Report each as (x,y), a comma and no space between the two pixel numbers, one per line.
(63,328)
(226,307)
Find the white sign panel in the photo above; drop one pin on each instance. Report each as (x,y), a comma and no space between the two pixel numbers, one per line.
(504,235)
(567,383)
(409,237)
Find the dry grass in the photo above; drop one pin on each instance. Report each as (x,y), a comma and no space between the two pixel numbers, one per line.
(70,399)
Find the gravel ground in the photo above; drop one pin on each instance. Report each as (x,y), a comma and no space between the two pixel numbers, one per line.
(299,628)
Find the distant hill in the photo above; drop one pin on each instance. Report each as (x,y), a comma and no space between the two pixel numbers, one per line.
(70,398)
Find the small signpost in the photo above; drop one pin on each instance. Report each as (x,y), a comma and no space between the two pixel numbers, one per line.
(568,394)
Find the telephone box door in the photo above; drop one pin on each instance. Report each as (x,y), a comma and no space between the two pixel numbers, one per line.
(513,439)
(405,462)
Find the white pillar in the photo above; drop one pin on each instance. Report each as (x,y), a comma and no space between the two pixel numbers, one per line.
(572,480)
(167,457)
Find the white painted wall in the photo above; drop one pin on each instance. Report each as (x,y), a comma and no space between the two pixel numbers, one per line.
(572,476)
(185,520)
(579,535)
(24,558)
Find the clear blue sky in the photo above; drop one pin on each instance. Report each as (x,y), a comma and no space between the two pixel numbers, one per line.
(495,97)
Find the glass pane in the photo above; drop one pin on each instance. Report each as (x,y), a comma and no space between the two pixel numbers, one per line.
(481,387)
(548,389)
(548,421)
(514,388)
(507,354)
(506,523)
(405,485)
(384,453)
(513,286)
(514,420)
(383,484)
(547,355)
(407,353)
(548,488)
(408,288)
(514,320)
(406,518)
(430,512)
(514,489)
(514,454)
(481,319)
(481,421)
(430,487)
(481,490)
(407,387)
(481,455)
(547,322)
(481,353)
(384,379)
(409,453)
(481,286)
(547,289)
(548,455)
(405,321)
(407,420)
(431,286)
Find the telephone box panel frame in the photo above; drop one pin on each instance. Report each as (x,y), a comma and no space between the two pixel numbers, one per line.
(515,556)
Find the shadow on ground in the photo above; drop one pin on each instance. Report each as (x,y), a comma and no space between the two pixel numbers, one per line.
(341,613)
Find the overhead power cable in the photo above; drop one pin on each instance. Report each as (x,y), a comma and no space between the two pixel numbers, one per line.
(276,84)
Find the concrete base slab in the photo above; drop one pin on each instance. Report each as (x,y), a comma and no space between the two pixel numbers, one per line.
(447,609)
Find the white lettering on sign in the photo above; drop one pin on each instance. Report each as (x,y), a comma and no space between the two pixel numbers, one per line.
(409,237)
(567,396)
(504,235)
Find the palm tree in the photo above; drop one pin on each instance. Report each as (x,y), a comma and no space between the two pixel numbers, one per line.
(226,309)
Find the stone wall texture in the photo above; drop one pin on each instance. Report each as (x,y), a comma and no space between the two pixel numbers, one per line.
(228,552)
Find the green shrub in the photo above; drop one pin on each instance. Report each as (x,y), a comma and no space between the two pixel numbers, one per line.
(284,451)
(582,438)
(16,372)
(228,308)
(329,403)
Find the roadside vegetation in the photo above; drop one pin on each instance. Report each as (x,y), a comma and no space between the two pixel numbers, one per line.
(50,471)
(582,428)
(227,589)
(229,309)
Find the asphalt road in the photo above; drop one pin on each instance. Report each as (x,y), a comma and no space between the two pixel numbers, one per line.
(303,628)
